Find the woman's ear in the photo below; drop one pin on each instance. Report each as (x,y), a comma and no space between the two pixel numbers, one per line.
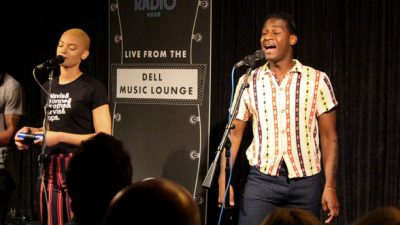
(85,54)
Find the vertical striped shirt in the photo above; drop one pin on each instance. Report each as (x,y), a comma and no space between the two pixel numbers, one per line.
(284,118)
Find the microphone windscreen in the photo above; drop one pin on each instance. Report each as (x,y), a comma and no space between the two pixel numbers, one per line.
(59,59)
(259,54)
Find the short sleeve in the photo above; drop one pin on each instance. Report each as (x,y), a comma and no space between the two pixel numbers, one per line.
(242,110)
(326,99)
(99,94)
(14,101)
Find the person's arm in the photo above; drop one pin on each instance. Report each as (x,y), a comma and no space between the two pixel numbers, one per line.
(236,139)
(101,123)
(11,122)
(330,159)
(102,119)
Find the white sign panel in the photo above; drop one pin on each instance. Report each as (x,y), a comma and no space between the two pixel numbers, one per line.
(157,83)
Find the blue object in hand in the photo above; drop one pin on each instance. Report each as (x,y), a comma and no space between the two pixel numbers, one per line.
(27,137)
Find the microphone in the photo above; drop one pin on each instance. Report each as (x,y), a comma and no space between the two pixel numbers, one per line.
(250,60)
(50,63)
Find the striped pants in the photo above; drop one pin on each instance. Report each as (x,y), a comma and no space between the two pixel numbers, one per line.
(55,204)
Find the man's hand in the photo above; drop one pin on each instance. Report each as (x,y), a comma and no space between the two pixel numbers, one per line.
(222,190)
(330,204)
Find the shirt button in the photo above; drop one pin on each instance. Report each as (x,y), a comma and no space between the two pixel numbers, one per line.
(283,131)
(282,111)
(284,152)
(281,89)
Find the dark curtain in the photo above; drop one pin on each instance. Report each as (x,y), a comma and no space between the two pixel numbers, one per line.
(30,31)
(355,42)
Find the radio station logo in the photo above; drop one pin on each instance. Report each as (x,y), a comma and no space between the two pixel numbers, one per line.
(154,8)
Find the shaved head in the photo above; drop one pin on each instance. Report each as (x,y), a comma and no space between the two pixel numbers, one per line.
(82,35)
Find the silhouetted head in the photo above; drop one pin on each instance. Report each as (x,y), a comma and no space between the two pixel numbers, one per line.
(98,170)
(384,215)
(290,216)
(153,202)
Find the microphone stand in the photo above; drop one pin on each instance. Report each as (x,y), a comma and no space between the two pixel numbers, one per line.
(42,155)
(225,143)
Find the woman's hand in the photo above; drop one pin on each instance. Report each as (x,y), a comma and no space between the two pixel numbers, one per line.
(19,142)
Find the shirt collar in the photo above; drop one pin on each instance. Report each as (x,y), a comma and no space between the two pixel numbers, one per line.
(295,69)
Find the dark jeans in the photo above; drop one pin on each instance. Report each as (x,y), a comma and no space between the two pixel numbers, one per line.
(263,193)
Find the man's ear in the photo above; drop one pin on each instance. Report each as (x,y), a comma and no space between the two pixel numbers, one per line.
(293,39)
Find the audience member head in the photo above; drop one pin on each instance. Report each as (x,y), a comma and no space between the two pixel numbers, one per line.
(98,170)
(290,216)
(153,202)
(384,215)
